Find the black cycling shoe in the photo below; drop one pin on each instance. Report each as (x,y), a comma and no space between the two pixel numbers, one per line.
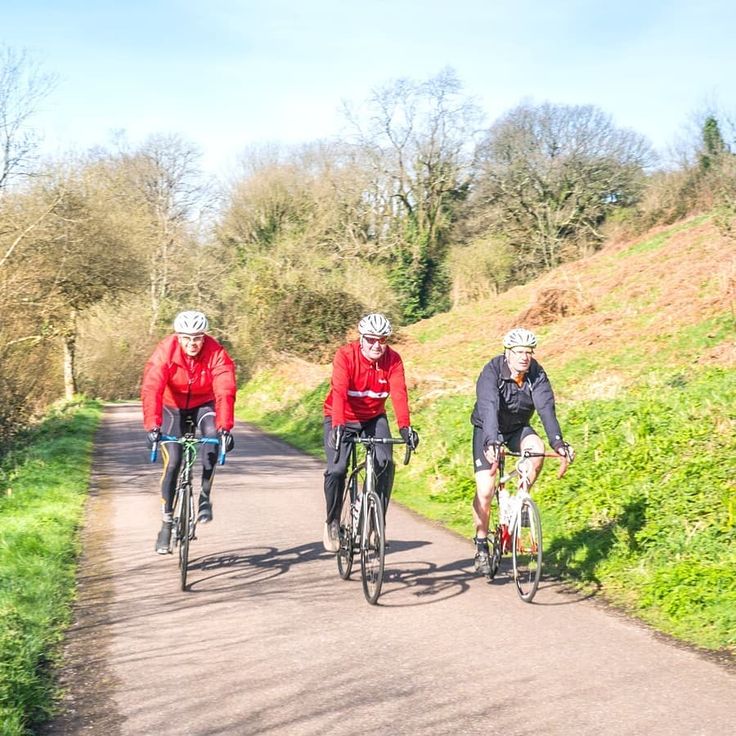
(205,510)
(482,556)
(163,540)
(482,562)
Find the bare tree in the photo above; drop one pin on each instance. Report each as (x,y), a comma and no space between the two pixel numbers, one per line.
(550,174)
(416,138)
(164,192)
(22,87)
(67,253)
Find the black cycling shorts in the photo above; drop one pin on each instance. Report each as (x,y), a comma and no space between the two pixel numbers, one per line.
(512,441)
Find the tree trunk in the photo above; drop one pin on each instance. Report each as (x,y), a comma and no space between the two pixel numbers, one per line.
(70,346)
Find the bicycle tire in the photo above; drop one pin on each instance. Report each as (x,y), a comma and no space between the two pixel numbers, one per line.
(372,547)
(495,549)
(345,552)
(526,550)
(185,528)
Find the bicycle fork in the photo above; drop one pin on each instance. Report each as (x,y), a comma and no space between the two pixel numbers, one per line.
(519,520)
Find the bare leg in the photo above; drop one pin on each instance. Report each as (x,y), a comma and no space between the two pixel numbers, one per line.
(534,444)
(482,501)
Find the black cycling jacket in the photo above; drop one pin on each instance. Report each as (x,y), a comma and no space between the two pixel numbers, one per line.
(502,407)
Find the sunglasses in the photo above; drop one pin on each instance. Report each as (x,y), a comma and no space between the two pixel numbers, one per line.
(191,338)
(374,340)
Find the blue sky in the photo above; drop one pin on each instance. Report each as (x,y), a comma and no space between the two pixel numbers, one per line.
(225,74)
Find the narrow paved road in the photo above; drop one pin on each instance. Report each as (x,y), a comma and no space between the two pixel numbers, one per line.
(270,641)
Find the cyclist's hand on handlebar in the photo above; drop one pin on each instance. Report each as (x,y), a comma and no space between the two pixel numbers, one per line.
(226,440)
(338,432)
(153,436)
(409,435)
(567,452)
(493,452)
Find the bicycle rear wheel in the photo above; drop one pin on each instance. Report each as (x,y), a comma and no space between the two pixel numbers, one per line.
(526,550)
(372,547)
(184,531)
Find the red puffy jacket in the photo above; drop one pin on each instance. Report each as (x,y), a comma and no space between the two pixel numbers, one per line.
(359,387)
(172,378)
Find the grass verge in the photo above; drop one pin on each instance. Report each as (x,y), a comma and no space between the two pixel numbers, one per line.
(43,486)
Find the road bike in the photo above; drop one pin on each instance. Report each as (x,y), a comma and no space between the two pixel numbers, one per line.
(185,514)
(362,518)
(517,526)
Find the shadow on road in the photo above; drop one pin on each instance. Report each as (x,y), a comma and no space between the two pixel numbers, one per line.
(249,565)
(406,582)
(428,583)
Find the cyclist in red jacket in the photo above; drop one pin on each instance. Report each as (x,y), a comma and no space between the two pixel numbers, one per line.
(189,378)
(364,373)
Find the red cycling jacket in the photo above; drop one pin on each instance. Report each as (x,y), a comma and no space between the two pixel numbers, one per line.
(174,379)
(360,387)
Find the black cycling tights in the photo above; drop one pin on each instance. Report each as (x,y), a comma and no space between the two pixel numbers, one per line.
(336,472)
(176,424)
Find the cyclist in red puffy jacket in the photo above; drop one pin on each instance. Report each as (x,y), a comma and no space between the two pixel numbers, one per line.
(189,378)
(364,374)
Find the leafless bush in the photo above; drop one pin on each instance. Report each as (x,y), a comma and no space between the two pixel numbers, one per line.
(480,269)
(114,345)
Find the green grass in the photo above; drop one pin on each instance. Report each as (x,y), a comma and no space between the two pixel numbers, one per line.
(44,486)
(657,241)
(297,420)
(650,512)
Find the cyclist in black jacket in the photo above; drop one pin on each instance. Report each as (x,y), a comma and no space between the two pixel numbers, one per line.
(510,388)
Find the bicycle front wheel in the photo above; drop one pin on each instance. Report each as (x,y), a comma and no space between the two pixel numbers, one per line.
(345,552)
(495,538)
(372,547)
(184,531)
(526,550)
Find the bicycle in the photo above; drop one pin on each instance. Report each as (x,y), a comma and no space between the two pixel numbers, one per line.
(184,515)
(517,525)
(362,523)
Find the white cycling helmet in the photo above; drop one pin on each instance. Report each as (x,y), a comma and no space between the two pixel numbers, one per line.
(190,323)
(374,324)
(520,338)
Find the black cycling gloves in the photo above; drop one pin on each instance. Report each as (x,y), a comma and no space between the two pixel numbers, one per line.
(409,435)
(226,440)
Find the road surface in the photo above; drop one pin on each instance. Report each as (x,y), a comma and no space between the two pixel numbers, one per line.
(269,640)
